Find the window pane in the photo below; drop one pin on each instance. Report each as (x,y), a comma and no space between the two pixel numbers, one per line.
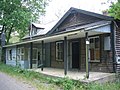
(18,57)
(95,48)
(97,44)
(22,50)
(9,54)
(92,45)
(18,51)
(97,54)
(22,57)
(34,53)
(92,54)
(91,40)
(59,51)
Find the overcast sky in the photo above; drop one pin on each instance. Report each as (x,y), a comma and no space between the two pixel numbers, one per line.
(59,7)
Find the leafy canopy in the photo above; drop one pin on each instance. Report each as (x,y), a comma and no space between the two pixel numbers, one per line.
(115,10)
(16,15)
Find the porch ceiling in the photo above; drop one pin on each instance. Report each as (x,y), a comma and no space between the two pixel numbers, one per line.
(75,34)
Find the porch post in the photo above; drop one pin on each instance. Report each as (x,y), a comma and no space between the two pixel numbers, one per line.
(87,55)
(65,55)
(42,55)
(113,46)
(16,54)
(31,54)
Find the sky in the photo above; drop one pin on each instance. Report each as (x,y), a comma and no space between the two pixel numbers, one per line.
(57,8)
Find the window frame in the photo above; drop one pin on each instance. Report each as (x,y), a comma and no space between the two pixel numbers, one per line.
(99,48)
(20,54)
(61,59)
(36,54)
(9,56)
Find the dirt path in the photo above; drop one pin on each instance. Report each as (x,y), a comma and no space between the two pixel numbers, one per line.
(10,83)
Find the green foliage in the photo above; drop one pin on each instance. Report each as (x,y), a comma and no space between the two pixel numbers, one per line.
(14,39)
(106,86)
(114,10)
(16,15)
(65,83)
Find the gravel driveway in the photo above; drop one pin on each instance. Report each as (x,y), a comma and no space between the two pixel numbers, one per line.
(9,83)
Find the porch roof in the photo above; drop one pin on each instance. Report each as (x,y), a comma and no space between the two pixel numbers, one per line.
(76,32)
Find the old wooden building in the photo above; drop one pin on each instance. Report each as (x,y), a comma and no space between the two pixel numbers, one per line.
(79,40)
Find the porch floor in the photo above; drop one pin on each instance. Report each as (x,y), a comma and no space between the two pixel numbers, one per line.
(99,77)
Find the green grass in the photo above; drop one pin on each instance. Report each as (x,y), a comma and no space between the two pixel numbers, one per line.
(49,83)
(31,77)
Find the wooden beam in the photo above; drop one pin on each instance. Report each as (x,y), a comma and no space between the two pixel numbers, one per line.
(16,53)
(87,55)
(31,54)
(42,55)
(65,55)
(113,46)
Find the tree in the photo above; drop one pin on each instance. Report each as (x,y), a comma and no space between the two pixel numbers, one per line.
(114,10)
(16,15)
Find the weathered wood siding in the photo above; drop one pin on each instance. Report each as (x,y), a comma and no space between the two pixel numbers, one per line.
(47,54)
(13,61)
(105,64)
(54,62)
(117,46)
(76,19)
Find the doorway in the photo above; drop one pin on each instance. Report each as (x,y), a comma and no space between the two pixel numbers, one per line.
(75,54)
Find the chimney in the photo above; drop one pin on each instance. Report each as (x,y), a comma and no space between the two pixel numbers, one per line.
(105,12)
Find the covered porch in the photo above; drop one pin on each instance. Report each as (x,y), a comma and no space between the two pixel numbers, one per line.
(83,33)
(98,77)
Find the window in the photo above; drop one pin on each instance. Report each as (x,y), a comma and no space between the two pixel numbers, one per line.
(9,54)
(59,51)
(34,53)
(34,56)
(34,31)
(20,54)
(95,49)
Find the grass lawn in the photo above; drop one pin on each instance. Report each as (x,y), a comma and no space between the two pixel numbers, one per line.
(48,83)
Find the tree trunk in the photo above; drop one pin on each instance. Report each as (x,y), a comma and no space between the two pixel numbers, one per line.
(8,35)
(3,28)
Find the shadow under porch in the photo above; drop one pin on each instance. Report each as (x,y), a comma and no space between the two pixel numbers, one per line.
(100,59)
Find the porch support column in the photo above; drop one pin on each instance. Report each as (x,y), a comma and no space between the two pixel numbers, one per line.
(113,46)
(87,55)
(42,43)
(16,55)
(65,55)
(31,54)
